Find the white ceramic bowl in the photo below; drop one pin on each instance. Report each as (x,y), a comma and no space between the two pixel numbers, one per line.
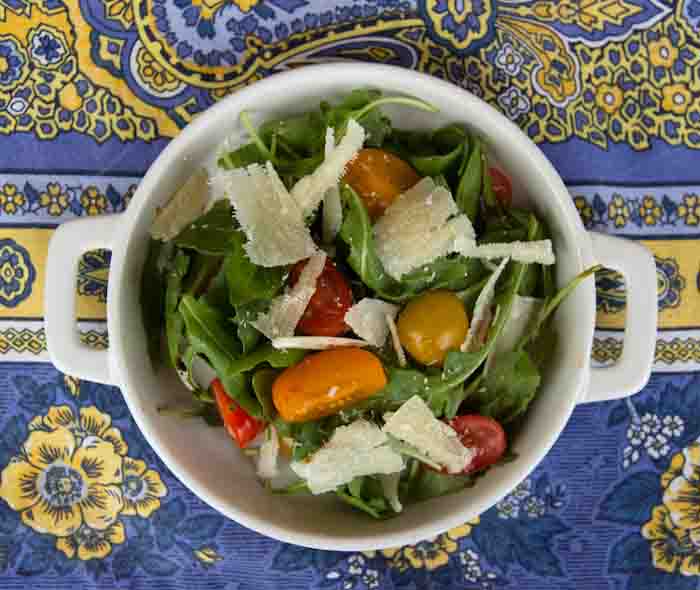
(203,458)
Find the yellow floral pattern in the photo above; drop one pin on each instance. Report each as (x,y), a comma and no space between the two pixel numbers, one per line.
(674,528)
(71,479)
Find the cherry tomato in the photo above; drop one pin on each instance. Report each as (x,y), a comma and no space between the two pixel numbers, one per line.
(484,435)
(502,187)
(242,427)
(378,177)
(431,325)
(327,382)
(325,314)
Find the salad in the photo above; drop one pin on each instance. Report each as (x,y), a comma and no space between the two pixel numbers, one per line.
(362,307)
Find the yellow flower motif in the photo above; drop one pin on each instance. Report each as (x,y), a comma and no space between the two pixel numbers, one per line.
(682,495)
(120,11)
(72,384)
(93,201)
(245,5)
(618,211)
(142,489)
(608,98)
(430,554)
(91,422)
(672,548)
(153,74)
(649,210)
(89,543)
(676,98)
(584,210)
(207,556)
(58,484)
(689,210)
(54,199)
(662,53)
(11,199)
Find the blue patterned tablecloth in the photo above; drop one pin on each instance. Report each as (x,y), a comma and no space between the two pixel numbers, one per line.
(92,90)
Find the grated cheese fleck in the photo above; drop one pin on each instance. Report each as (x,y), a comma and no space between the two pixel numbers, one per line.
(316,342)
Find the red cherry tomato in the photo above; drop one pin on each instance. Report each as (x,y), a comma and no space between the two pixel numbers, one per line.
(325,314)
(240,425)
(502,187)
(484,435)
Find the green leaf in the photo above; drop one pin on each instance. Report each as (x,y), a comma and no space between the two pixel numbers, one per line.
(174,323)
(305,133)
(448,272)
(247,281)
(217,293)
(262,387)
(245,315)
(429,483)
(366,494)
(211,233)
(277,358)
(242,157)
(444,150)
(509,386)
(469,187)
(210,335)
(153,299)
(203,269)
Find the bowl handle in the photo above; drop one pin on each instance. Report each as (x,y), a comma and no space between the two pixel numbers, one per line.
(632,370)
(68,243)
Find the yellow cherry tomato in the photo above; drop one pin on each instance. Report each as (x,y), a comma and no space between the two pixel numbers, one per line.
(431,325)
(327,382)
(378,177)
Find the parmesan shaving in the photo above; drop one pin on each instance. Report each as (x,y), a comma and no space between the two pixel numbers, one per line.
(332,207)
(310,190)
(316,342)
(353,451)
(420,226)
(395,340)
(186,205)
(367,319)
(536,252)
(269,452)
(286,310)
(270,217)
(414,424)
(481,308)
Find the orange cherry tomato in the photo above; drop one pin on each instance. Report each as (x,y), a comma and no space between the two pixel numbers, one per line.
(378,177)
(325,313)
(484,435)
(242,427)
(502,187)
(327,382)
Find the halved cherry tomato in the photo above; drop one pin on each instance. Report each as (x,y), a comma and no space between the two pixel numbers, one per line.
(484,435)
(326,382)
(502,187)
(242,427)
(325,314)
(378,177)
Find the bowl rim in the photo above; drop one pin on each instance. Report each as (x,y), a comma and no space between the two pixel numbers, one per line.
(235,103)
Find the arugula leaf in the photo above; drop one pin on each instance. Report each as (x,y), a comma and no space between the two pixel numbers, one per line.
(440,154)
(243,157)
(277,358)
(428,483)
(217,293)
(509,386)
(203,269)
(469,187)
(211,233)
(209,335)
(305,133)
(174,323)
(247,281)
(152,299)
(366,494)
(262,387)
(245,315)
